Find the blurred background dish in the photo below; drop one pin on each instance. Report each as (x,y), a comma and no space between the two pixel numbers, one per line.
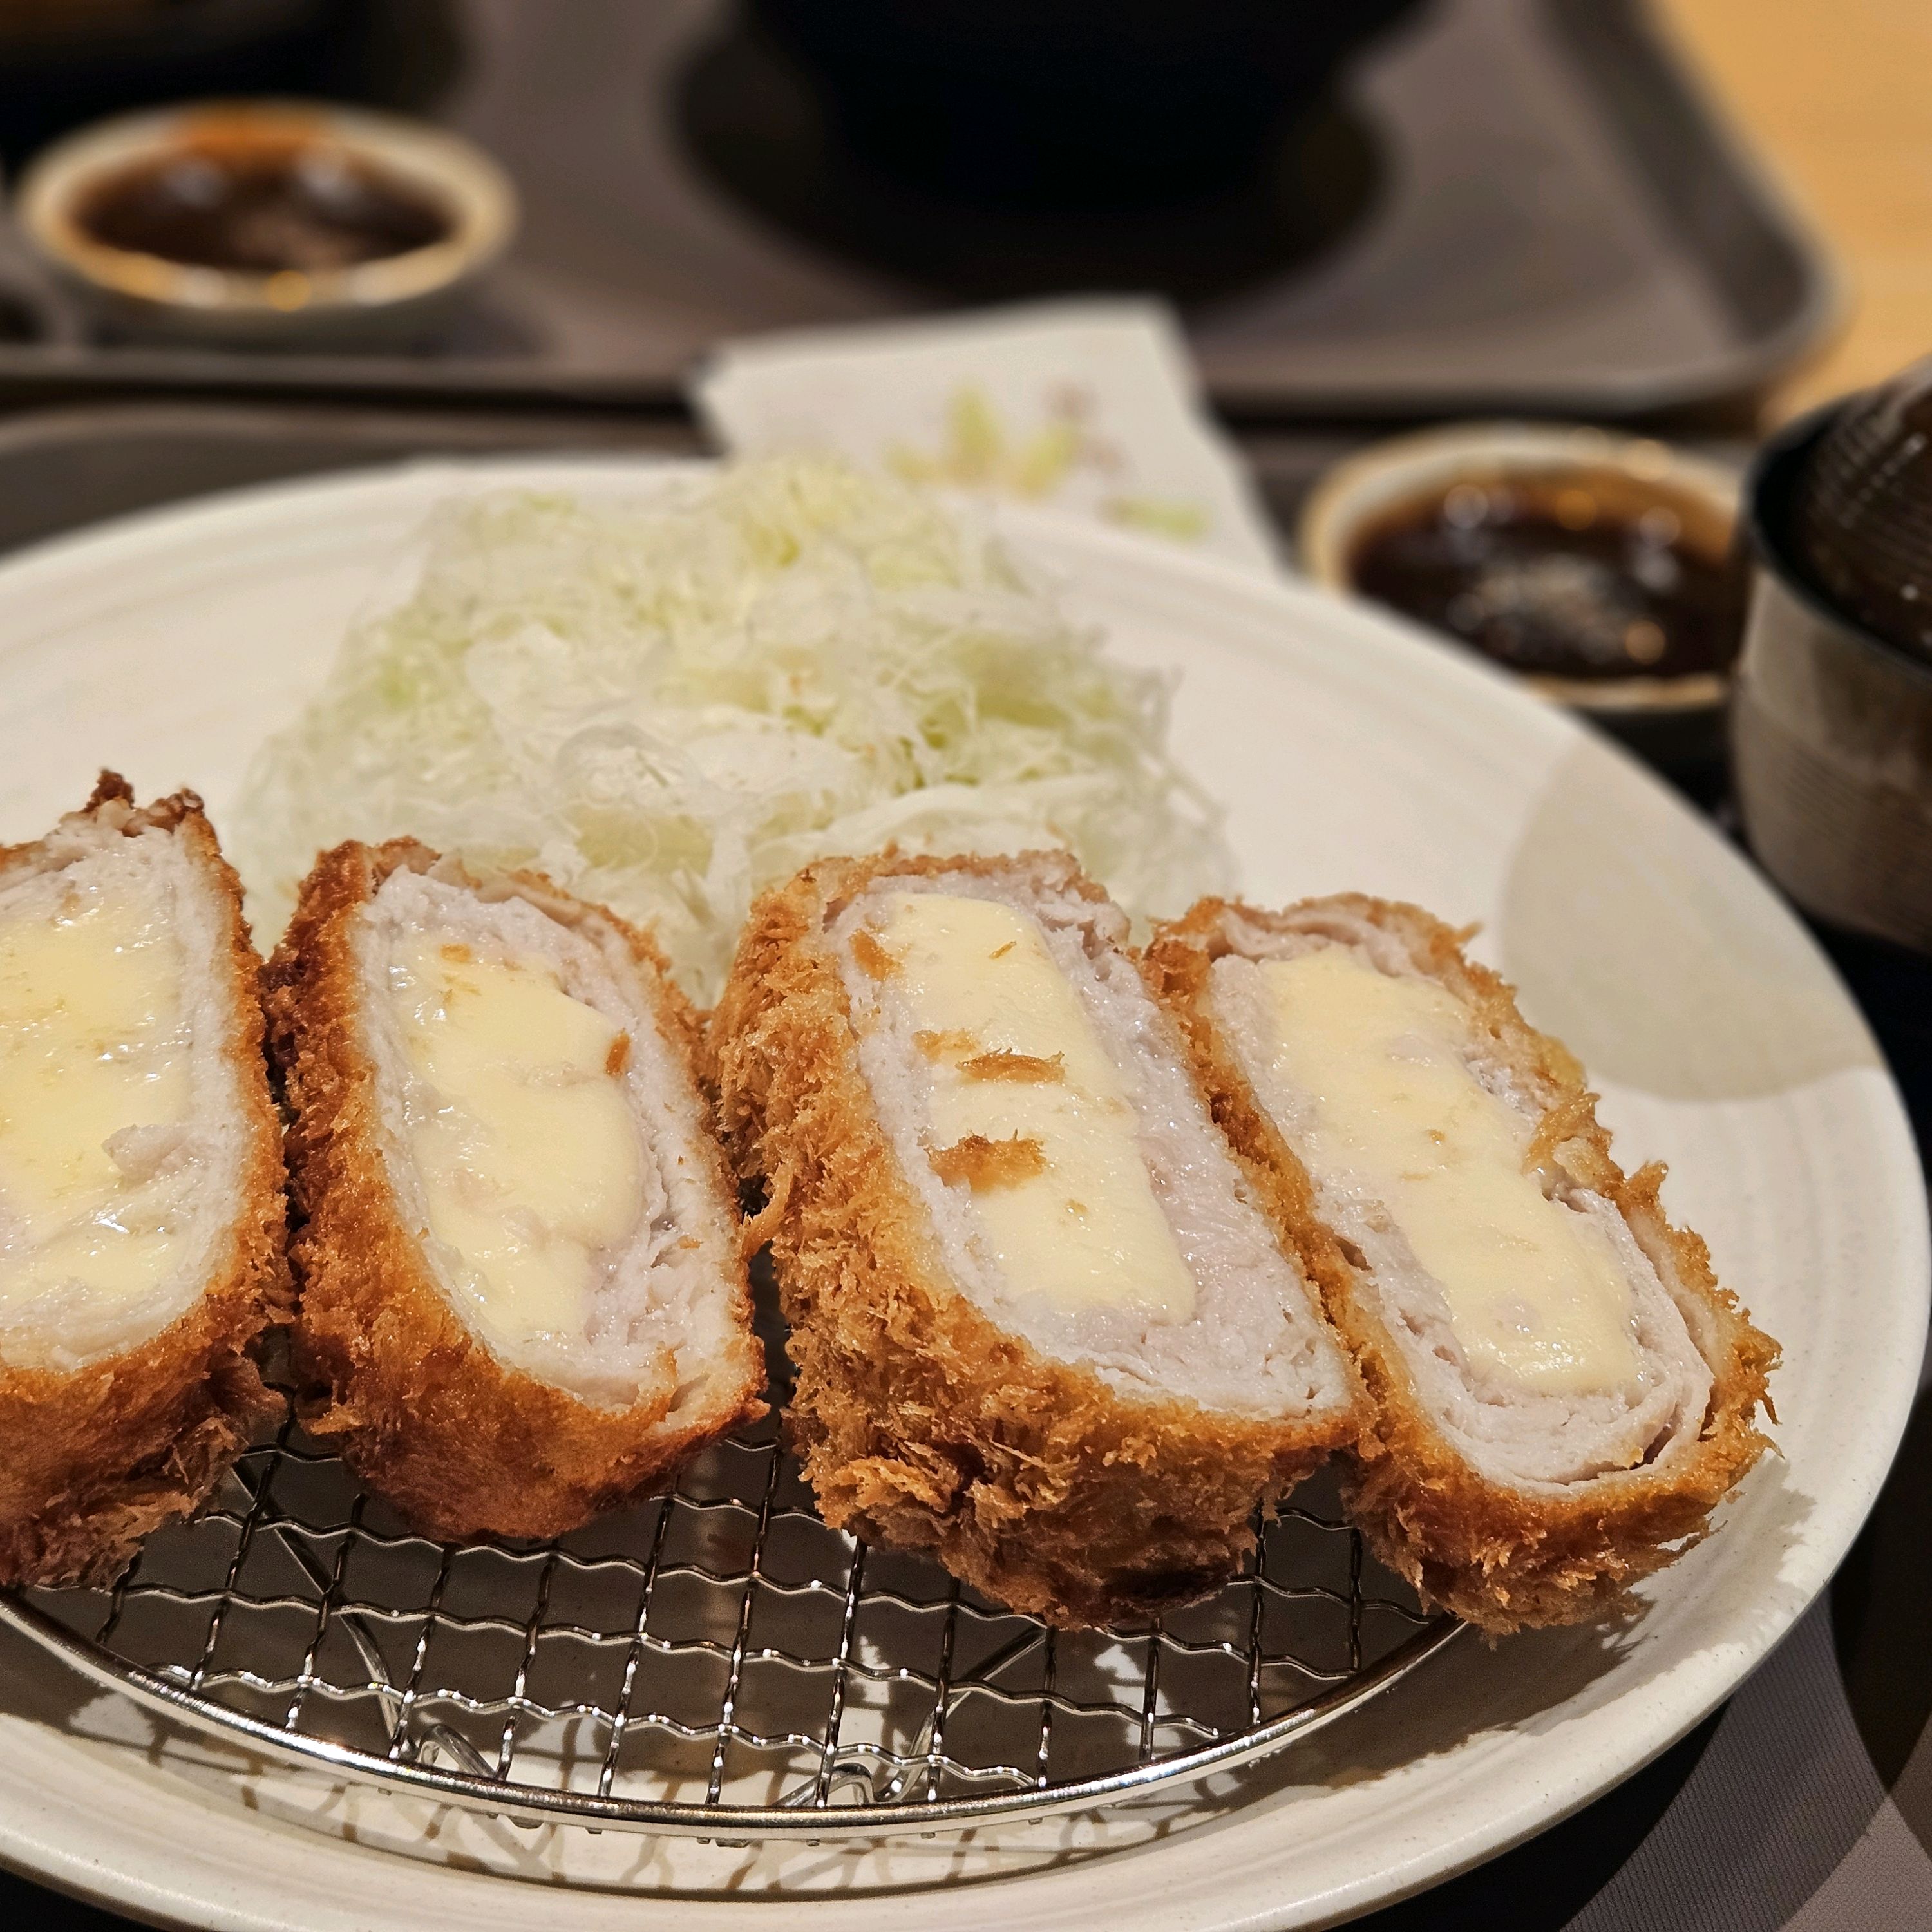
(265,223)
(1831,733)
(1862,521)
(1597,568)
(1076,104)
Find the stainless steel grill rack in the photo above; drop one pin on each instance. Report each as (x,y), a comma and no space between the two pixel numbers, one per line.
(718,1663)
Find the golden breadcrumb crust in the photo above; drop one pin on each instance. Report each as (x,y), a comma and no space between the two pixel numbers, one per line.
(93,1458)
(418,1406)
(920,1422)
(1499,1556)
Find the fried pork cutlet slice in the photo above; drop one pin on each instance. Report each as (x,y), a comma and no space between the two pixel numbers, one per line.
(141,1209)
(1041,1327)
(1560,1392)
(522,1301)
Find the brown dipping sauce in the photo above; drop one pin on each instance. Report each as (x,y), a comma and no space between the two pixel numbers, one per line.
(1576,576)
(263,206)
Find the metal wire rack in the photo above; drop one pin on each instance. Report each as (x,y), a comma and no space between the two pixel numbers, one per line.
(716,1664)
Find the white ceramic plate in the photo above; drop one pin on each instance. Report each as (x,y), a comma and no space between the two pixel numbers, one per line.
(1352,753)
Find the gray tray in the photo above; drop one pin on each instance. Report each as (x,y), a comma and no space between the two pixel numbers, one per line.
(1515,205)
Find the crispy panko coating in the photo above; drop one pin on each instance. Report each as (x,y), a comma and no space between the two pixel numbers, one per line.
(93,1458)
(921,1422)
(461,1444)
(1499,1556)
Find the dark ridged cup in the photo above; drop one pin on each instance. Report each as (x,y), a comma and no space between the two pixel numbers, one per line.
(1830,724)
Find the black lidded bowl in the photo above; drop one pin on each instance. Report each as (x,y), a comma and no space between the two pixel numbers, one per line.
(1070,103)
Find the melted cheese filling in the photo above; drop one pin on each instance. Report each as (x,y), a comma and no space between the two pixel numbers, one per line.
(1533,1289)
(1028,1108)
(95,1092)
(529,1158)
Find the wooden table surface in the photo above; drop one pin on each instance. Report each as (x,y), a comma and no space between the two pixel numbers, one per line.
(1836,95)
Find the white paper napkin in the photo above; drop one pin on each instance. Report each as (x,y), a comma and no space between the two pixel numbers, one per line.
(1091,407)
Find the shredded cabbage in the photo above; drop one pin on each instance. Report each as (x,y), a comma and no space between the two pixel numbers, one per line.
(670,703)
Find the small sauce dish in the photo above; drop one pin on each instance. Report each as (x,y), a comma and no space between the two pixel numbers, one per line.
(267,224)
(1600,569)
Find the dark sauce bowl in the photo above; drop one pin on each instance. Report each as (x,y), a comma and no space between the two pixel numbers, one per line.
(1831,731)
(1598,570)
(263,223)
